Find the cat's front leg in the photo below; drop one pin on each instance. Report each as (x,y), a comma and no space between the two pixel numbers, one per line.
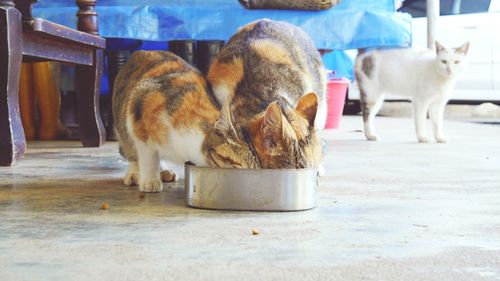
(436,114)
(132,176)
(420,116)
(149,168)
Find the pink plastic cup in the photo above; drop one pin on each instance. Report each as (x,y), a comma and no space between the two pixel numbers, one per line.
(335,98)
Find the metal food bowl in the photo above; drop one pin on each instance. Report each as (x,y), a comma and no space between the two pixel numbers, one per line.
(251,189)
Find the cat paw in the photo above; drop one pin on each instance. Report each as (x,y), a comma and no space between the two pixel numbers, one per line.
(442,139)
(423,139)
(131,179)
(168,176)
(151,185)
(372,137)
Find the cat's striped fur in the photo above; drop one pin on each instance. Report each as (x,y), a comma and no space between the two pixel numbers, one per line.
(272,79)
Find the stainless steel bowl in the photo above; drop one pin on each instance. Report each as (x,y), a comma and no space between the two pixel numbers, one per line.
(251,189)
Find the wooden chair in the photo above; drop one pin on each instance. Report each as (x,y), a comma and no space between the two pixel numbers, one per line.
(24,38)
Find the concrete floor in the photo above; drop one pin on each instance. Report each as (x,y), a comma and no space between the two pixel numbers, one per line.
(388,210)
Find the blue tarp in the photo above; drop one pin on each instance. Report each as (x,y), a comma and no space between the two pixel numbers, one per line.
(349,25)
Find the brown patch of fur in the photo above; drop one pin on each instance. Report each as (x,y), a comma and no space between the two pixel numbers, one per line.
(299,124)
(229,74)
(293,143)
(146,58)
(225,156)
(268,135)
(305,137)
(265,149)
(367,66)
(195,110)
(271,51)
(163,68)
(151,126)
(308,106)
(185,78)
(225,148)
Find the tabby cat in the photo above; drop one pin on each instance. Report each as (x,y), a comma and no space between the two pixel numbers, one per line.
(272,78)
(424,76)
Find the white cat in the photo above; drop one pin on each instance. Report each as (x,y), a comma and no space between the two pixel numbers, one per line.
(425,76)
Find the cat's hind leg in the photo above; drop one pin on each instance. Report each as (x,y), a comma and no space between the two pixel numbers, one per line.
(149,168)
(370,105)
(167,175)
(436,114)
(128,151)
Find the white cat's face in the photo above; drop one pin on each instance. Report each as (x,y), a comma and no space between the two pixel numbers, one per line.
(450,61)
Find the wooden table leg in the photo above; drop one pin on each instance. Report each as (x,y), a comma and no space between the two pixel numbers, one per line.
(88,82)
(12,140)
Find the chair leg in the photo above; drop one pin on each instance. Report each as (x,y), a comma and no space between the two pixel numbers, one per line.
(88,82)
(12,141)
(27,102)
(48,99)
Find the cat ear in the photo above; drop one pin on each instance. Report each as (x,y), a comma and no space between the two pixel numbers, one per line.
(463,49)
(307,107)
(273,119)
(439,48)
(224,123)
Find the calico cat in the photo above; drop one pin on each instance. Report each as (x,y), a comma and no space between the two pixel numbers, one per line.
(426,77)
(163,109)
(272,79)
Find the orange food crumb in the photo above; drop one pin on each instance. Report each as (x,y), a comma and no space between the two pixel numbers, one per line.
(255,231)
(105,206)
